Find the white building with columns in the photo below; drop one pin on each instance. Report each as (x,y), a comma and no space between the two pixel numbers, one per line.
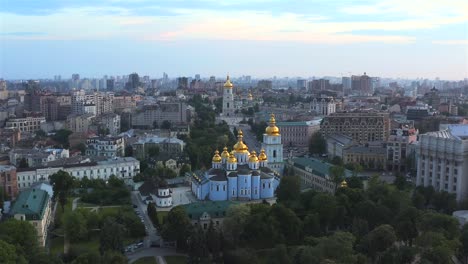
(442,160)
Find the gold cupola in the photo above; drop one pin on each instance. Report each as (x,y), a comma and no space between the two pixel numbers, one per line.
(262,156)
(228,83)
(250,96)
(225,153)
(272,129)
(216,157)
(343,184)
(253,157)
(232,158)
(240,146)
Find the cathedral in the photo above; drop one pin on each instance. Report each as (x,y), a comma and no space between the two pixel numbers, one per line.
(240,174)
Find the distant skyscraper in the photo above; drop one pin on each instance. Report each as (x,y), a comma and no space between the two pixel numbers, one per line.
(75,77)
(182,82)
(301,84)
(133,82)
(197,77)
(361,85)
(346,81)
(110,84)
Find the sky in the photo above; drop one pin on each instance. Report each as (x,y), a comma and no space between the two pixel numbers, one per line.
(262,38)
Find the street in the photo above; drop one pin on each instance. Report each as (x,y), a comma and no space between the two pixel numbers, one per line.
(152,233)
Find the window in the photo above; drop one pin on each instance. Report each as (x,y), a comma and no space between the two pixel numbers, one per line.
(233,192)
(217,188)
(224,187)
(245,180)
(263,185)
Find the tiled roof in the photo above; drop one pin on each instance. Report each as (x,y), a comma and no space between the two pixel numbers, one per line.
(318,167)
(32,203)
(216,209)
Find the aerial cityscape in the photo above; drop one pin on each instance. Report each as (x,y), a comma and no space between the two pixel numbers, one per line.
(234,132)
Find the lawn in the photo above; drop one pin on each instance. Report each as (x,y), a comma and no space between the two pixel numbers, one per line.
(176,259)
(146,260)
(161,216)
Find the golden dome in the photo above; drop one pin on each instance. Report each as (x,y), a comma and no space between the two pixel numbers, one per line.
(262,156)
(343,184)
(253,157)
(232,158)
(250,96)
(272,129)
(228,83)
(240,146)
(225,153)
(216,157)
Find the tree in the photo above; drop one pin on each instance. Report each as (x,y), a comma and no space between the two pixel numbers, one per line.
(81,147)
(40,133)
(234,223)
(463,250)
(184,169)
(166,124)
(287,225)
(338,161)
(406,224)
(75,226)
(400,182)
(23,163)
(153,152)
(381,238)
(317,144)
(7,253)
(337,247)
(88,258)
(22,235)
(112,235)
(288,191)
(355,182)
(213,242)
(435,222)
(61,136)
(177,227)
(114,257)
(279,255)
(153,215)
(337,174)
(325,206)
(128,151)
(312,225)
(62,182)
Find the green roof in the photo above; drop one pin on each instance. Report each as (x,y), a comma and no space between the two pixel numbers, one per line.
(318,167)
(216,209)
(32,203)
(292,123)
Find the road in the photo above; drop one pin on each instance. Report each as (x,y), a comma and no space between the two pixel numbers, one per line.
(152,233)
(156,252)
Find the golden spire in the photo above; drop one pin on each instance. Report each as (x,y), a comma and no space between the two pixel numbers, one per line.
(232,158)
(216,157)
(228,83)
(272,129)
(253,157)
(225,153)
(240,146)
(262,156)
(343,184)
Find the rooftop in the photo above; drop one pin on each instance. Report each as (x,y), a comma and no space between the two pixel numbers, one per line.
(216,209)
(318,167)
(32,203)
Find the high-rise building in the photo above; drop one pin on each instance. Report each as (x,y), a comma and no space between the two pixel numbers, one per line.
(362,126)
(318,85)
(31,98)
(49,107)
(110,84)
(301,84)
(182,83)
(346,82)
(362,84)
(442,160)
(197,77)
(228,98)
(133,82)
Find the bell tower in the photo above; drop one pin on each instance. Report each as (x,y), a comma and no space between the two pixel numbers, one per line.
(273,146)
(228,98)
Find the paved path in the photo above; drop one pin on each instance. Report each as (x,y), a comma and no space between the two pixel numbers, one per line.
(161,260)
(74,203)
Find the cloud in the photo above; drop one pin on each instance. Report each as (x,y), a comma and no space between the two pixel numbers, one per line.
(451,42)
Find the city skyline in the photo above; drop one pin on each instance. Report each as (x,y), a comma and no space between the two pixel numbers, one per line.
(262,38)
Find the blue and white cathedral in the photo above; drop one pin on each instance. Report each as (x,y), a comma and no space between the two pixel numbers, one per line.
(240,174)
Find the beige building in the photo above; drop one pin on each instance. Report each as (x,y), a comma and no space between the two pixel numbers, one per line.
(167,145)
(34,206)
(80,123)
(27,124)
(151,115)
(362,126)
(371,157)
(297,134)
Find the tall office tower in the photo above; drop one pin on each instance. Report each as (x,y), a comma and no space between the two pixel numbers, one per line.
(228,98)
(49,107)
(318,85)
(165,78)
(182,83)
(154,84)
(110,84)
(361,85)
(104,103)
(346,82)
(3,90)
(197,77)
(133,82)
(31,98)
(301,84)
(75,77)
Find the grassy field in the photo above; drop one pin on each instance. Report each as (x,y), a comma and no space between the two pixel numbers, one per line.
(176,259)
(161,216)
(146,260)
